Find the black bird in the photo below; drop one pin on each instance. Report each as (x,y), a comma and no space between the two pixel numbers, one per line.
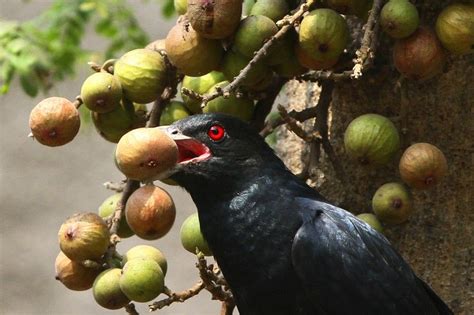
(281,246)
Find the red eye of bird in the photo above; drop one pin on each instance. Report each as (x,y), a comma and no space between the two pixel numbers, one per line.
(216,132)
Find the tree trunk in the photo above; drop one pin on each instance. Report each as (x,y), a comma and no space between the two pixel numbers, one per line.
(438,239)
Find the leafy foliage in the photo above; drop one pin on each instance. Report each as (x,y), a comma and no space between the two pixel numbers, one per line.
(47,48)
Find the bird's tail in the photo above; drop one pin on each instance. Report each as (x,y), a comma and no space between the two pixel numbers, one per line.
(442,307)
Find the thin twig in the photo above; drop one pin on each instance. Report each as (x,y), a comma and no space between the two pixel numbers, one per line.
(213,281)
(300,116)
(130,309)
(365,54)
(286,23)
(227,308)
(294,126)
(117,187)
(264,106)
(166,96)
(78,101)
(174,297)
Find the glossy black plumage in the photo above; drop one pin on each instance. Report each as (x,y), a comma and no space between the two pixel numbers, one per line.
(281,246)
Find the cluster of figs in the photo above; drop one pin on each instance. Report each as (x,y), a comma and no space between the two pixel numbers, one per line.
(89,260)
(212,41)
(374,141)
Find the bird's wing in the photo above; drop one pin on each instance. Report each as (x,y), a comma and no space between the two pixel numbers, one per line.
(346,267)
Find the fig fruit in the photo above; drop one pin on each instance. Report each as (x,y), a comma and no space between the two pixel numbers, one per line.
(191,236)
(84,236)
(101,92)
(252,33)
(108,207)
(200,85)
(114,124)
(392,203)
(422,165)
(157,45)
(399,18)
(147,252)
(107,292)
(216,19)
(172,112)
(73,274)
(455,28)
(142,73)
(234,62)
(142,280)
(144,153)
(372,139)
(238,107)
(420,56)
(323,34)
(191,53)
(181,6)
(371,220)
(273,9)
(54,121)
(289,68)
(309,62)
(150,212)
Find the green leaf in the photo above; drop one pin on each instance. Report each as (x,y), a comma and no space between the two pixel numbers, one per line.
(30,84)
(167,9)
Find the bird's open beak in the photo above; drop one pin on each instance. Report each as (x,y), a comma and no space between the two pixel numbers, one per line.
(190,150)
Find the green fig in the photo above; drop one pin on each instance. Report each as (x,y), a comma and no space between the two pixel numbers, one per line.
(371,220)
(108,207)
(181,6)
(392,203)
(142,280)
(273,9)
(101,92)
(191,53)
(107,292)
(200,85)
(455,28)
(191,236)
(347,6)
(146,252)
(142,73)
(54,121)
(309,62)
(84,236)
(238,107)
(399,18)
(323,34)
(252,33)
(172,112)
(114,124)
(234,62)
(215,19)
(372,139)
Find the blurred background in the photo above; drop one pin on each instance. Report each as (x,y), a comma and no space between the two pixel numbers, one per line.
(41,186)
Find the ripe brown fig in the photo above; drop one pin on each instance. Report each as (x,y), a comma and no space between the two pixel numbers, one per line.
(419,56)
(422,165)
(54,121)
(150,212)
(144,153)
(191,53)
(214,19)
(73,274)
(84,236)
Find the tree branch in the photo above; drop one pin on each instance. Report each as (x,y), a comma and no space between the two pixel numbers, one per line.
(174,297)
(213,280)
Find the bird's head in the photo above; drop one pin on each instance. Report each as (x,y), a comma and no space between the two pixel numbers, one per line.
(217,149)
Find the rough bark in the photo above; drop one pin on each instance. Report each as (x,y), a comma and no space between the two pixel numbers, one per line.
(438,240)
